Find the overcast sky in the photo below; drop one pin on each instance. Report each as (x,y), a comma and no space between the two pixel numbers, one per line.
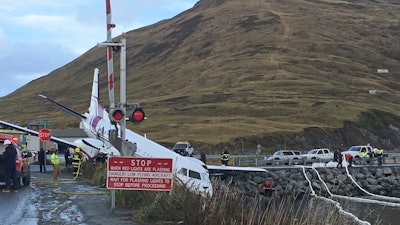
(39,36)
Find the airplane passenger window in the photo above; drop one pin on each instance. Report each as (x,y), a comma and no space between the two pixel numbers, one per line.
(183,171)
(194,174)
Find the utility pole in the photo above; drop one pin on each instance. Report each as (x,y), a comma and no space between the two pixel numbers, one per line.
(123,83)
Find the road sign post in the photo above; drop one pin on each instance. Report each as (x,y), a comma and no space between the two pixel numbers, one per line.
(136,173)
(44,123)
(44,134)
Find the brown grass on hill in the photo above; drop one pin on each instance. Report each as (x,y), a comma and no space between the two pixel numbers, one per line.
(229,69)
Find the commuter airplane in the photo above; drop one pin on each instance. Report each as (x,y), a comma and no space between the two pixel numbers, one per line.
(98,126)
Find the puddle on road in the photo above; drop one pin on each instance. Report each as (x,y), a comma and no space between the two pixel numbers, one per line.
(56,203)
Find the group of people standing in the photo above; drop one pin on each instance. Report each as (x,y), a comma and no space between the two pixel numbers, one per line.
(77,158)
(375,153)
(55,162)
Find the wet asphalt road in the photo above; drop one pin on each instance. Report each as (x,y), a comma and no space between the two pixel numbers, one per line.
(63,202)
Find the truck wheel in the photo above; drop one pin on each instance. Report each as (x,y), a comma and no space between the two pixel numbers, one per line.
(26,180)
(357,160)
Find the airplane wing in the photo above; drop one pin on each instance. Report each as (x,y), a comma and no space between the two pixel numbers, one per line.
(234,168)
(214,169)
(90,147)
(72,112)
(35,133)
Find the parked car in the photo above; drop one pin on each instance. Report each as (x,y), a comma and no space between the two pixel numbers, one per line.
(285,157)
(355,151)
(319,154)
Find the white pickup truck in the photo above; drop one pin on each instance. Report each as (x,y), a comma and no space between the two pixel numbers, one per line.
(355,151)
(184,148)
(319,154)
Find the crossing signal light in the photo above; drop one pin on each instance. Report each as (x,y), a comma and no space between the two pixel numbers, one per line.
(117,115)
(136,115)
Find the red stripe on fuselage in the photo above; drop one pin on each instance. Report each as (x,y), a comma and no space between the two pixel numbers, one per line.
(94,123)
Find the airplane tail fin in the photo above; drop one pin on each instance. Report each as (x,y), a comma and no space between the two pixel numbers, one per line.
(95,107)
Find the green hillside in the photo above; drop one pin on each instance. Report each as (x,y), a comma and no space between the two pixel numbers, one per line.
(231,71)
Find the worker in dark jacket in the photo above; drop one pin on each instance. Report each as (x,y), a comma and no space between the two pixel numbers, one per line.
(76,162)
(9,157)
(225,157)
(42,160)
(340,160)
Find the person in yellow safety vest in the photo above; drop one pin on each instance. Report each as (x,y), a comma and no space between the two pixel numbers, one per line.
(56,162)
(379,155)
(76,162)
(364,156)
(225,157)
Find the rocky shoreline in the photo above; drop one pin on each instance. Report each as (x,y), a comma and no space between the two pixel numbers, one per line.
(374,179)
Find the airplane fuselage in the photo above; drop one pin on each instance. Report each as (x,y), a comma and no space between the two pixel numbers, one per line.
(188,173)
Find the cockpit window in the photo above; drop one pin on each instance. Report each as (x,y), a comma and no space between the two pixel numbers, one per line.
(194,174)
(183,171)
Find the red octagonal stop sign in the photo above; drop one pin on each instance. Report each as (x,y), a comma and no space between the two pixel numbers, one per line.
(44,134)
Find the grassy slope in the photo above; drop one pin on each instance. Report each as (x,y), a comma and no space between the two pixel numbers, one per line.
(228,69)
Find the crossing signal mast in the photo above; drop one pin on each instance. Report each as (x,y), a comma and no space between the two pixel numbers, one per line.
(117,111)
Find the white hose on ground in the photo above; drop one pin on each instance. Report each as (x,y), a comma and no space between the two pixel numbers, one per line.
(344,212)
(394,199)
(309,181)
(356,198)
(337,204)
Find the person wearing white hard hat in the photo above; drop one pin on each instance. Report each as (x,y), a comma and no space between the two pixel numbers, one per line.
(9,156)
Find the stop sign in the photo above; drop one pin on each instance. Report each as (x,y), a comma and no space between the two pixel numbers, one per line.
(44,134)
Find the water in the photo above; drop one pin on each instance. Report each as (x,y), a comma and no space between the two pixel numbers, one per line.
(373,213)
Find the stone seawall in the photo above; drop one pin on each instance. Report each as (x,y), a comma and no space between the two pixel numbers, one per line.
(376,180)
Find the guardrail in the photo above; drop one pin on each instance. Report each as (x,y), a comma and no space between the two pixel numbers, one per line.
(257,160)
(263,162)
(388,158)
(391,158)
